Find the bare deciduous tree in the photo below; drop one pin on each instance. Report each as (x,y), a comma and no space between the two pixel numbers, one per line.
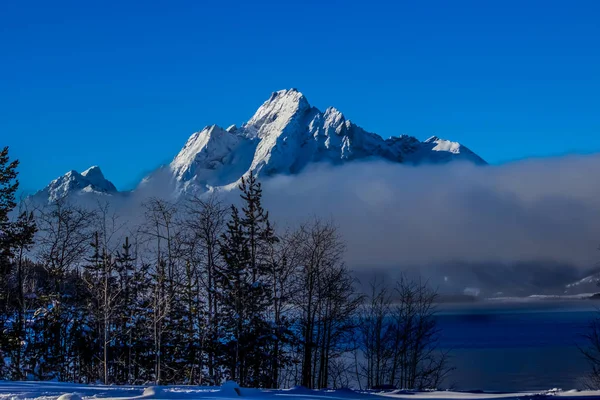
(102,277)
(591,352)
(375,336)
(325,298)
(205,222)
(398,341)
(161,234)
(65,232)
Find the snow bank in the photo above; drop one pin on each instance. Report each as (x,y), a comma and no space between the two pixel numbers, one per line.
(69,396)
(231,390)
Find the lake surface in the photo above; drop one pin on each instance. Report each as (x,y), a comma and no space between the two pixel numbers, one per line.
(517,346)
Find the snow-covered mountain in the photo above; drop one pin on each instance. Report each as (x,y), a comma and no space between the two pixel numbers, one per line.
(91,181)
(588,284)
(285,135)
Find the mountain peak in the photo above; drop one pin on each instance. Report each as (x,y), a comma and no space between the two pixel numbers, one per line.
(289,97)
(285,93)
(94,172)
(97,181)
(91,180)
(276,112)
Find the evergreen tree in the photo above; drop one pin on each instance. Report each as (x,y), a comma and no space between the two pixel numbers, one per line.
(102,280)
(258,230)
(246,290)
(235,285)
(123,337)
(8,189)
(133,344)
(16,238)
(192,327)
(22,232)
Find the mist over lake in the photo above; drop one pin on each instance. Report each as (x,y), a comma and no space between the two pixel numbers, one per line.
(508,346)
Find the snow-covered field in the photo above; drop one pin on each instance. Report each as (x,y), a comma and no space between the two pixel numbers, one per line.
(66,391)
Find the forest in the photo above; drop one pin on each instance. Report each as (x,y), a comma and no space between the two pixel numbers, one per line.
(200,292)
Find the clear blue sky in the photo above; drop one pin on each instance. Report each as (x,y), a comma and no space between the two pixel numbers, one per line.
(123,84)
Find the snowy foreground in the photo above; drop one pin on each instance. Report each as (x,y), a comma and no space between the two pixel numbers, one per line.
(64,391)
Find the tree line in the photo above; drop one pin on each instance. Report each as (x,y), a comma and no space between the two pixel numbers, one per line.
(199,293)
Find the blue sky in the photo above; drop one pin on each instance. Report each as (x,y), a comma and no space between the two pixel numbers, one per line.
(123,84)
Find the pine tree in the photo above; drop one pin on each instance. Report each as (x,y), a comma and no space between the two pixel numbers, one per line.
(22,232)
(255,222)
(191,327)
(16,238)
(133,342)
(235,285)
(246,289)
(8,189)
(125,267)
(102,280)
(261,239)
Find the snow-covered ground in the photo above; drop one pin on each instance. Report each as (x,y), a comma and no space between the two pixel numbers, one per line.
(67,391)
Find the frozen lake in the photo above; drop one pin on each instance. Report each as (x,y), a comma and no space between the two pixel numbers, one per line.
(517,346)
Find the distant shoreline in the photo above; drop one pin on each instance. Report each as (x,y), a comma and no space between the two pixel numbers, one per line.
(468,299)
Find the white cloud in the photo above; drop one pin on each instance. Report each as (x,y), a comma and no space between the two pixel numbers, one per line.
(389,214)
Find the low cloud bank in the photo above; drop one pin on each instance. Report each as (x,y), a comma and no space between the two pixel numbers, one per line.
(520,228)
(545,210)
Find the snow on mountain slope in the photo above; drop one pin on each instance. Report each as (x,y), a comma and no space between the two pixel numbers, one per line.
(90,181)
(285,135)
(438,150)
(588,284)
(213,157)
